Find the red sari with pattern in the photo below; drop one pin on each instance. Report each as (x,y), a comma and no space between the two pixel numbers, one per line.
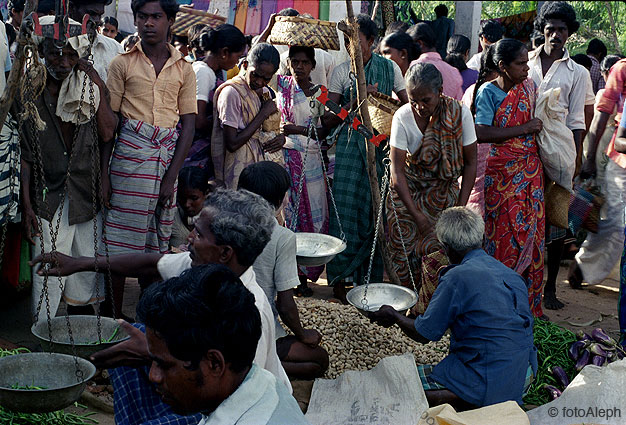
(514,204)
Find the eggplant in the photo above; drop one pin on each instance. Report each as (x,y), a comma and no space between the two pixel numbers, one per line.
(598,350)
(583,336)
(560,376)
(619,354)
(611,357)
(554,392)
(575,348)
(598,360)
(583,360)
(600,336)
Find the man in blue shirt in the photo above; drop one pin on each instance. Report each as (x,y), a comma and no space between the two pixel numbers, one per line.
(485,306)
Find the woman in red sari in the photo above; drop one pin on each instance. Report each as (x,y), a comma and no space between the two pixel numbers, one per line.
(514,204)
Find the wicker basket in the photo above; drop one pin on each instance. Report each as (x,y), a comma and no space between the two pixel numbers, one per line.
(557,200)
(297,31)
(381,108)
(187,17)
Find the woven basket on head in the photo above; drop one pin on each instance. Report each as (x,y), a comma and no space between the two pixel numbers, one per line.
(187,17)
(298,31)
(381,108)
(557,205)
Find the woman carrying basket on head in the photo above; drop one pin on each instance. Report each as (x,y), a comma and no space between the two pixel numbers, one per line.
(433,143)
(514,205)
(308,209)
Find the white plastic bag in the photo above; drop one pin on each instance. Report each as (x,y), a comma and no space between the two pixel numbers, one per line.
(556,142)
(596,396)
(389,394)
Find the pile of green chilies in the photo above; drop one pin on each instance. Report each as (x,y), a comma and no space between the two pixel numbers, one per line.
(59,417)
(552,342)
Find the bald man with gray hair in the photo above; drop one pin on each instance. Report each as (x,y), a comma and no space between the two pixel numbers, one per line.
(485,305)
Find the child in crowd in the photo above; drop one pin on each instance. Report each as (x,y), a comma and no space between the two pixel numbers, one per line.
(277,274)
(193,188)
(109,27)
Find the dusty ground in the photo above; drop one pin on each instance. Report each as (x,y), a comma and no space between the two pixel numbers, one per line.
(584,309)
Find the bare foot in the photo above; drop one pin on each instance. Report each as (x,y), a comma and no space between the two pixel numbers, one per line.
(575,276)
(551,302)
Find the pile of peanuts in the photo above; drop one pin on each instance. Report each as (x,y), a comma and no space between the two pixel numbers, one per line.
(354,343)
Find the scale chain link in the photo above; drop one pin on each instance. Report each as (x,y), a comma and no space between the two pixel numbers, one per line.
(383,189)
(406,255)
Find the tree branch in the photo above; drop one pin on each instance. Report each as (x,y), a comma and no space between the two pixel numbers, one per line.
(359,70)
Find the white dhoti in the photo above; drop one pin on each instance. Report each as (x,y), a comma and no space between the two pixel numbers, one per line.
(601,251)
(75,240)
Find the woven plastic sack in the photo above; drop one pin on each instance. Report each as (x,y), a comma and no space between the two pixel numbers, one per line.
(391,393)
(508,413)
(556,142)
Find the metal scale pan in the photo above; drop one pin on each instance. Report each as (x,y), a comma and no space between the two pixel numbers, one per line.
(379,294)
(84,332)
(316,249)
(54,373)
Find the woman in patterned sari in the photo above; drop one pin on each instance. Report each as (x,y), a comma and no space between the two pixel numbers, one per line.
(514,205)
(293,97)
(433,143)
(350,183)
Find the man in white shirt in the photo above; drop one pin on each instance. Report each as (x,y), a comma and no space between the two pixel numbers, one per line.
(202,330)
(551,67)
(232,229)
(104,49)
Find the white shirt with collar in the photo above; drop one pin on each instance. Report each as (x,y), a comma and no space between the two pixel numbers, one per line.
(173,265)
(574,81)
(260,399)
(104,50)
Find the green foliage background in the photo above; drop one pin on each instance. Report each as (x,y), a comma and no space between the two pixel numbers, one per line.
(593,17)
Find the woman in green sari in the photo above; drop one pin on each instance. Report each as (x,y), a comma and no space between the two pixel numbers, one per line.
(350,183)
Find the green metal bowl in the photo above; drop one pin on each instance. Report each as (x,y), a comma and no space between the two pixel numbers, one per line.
(85,332)
(54,373)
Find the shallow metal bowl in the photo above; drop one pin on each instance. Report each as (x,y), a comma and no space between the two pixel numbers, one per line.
(85,332)
(316,249)
(379,294)
(54,372)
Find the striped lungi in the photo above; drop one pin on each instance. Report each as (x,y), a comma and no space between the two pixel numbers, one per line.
(140,159)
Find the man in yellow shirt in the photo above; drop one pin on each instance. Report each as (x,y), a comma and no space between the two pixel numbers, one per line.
(153,89)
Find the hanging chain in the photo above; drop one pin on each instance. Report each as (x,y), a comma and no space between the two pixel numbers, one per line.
(406,255)
(95,181)
(342,235)
(383,191)
(294,221)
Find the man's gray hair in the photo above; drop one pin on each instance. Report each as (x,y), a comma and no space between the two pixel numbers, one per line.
(424,74)
(242,220)
(461,229)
